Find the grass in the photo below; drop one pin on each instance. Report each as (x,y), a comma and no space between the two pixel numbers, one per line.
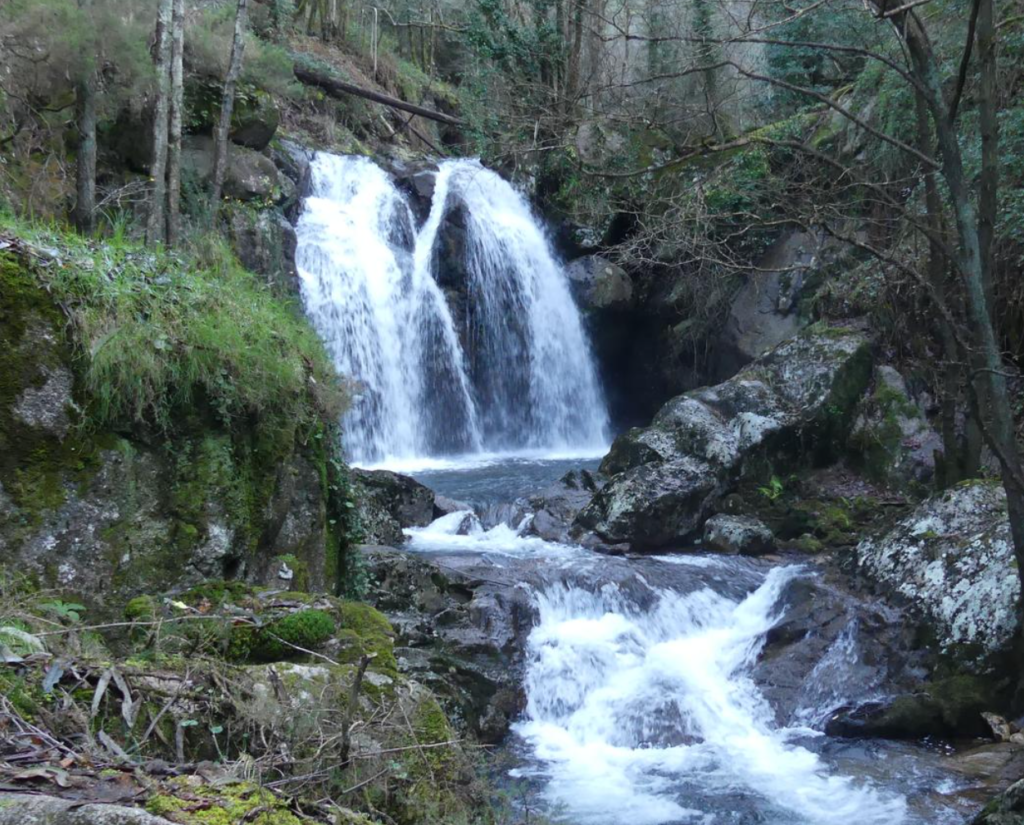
(157,333)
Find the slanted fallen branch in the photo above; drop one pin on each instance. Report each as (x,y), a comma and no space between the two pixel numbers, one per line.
(338,88)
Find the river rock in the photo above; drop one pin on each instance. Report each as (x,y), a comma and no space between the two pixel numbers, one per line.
(1005,809)
(738,534)
(599,284)
(555,508)
(460,633)
(792,403)
(389,502)
(951,561)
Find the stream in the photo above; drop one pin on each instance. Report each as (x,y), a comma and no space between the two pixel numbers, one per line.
(641,704)
(652,695)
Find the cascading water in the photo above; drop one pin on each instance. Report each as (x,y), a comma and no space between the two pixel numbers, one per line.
(384,320)
(648,717)
(514,374)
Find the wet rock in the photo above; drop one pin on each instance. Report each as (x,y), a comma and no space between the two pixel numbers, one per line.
(557,506)
(891,436)
(951,562)
(653,504)
(444,506)
(738,534)
(792,404)
(944,707)
(459,633)
(418,180)
(598,284)
(389,502)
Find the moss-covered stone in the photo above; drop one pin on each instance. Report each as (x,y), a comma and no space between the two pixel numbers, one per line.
(283,638)
(190,802)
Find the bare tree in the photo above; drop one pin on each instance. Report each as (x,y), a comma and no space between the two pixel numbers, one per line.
(227,106)
(85,172)
(155,226)
(174,137)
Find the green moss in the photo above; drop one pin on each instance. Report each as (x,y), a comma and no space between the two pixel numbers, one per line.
(368,633)
(141,609)
(278,639)
(218,593)
(229,805)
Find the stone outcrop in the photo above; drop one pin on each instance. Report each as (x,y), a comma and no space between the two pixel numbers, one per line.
(951,561)
(793,404)
(744,535)
(764,311)
(600,285)
(389,502)
(250,176)
(891,435)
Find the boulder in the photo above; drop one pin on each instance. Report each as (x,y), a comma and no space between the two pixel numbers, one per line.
(951,560)
(265,243)
(1005,809)
(555,507)
(254,121)
(459,633)
(389,502)
(794,403)
(598,284)
(249,176)
(744,535)
(764,311)
(25,809)
(891,436)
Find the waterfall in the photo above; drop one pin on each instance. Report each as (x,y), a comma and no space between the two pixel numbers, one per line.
(646,716)
(512,371)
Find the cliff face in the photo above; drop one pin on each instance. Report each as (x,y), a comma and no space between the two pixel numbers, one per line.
(104,505)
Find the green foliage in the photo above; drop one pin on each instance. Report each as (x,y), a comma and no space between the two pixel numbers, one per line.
(813,68)
(282,638)
(266,65)
(773,490)
(66,612)
(158,333)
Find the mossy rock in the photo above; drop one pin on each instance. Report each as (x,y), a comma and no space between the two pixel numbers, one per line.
(281,638)
(366,631)
(182,801)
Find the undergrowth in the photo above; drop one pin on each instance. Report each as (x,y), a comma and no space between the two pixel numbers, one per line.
(158,332)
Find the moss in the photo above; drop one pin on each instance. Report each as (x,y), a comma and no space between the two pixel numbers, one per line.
(369,633)
(141,608)
(218,593)
(278,639)
(220,805)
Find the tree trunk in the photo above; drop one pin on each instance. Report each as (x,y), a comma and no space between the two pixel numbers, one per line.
(158,171)
(174,139)
(227,106)
(85,172)
(949,472)
(988,106)
(989,378)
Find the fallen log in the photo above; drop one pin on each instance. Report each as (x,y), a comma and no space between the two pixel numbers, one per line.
(338,88)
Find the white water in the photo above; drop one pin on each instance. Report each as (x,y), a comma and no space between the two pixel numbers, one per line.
(519,377)
(648,717)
